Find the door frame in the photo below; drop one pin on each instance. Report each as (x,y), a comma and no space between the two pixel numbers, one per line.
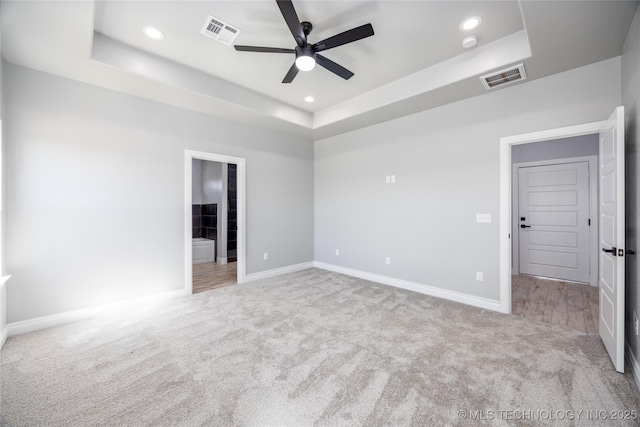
(506,193)
(593,209)
(189,156)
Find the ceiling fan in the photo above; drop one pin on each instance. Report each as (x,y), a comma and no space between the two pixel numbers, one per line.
(307,54)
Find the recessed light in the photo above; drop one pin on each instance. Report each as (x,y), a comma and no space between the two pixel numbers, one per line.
(309,98)
(153,33)
(469,42)
(470,23)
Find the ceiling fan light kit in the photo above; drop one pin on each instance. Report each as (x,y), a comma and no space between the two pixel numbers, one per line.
(307,54)
(305,58)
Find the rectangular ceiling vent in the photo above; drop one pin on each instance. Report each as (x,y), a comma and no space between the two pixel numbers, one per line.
(218,30)
(504,77)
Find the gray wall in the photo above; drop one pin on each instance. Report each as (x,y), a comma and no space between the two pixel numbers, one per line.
(206,182)
(3,289)
(563,148)
(211,183)
(210,186)
(631,102)
(446,161)
(95,193)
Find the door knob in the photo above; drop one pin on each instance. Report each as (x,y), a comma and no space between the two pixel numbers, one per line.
(610,251)
(524,226)
(631,252)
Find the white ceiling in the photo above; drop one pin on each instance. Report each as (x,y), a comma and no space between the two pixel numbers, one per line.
(414,61)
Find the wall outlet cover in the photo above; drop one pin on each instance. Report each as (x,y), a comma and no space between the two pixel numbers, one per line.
(483,217)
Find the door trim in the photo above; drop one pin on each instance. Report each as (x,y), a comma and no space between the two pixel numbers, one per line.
(593,209)
(505,193)
(189,156)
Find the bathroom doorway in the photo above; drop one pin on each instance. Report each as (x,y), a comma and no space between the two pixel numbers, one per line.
(214,221)
(213,224)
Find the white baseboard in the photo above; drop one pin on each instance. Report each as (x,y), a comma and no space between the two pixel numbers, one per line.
(633,364)
(278,271)
(416,287)
(22,327)
(4,334)
(222,260)
(3,310)
(16,328)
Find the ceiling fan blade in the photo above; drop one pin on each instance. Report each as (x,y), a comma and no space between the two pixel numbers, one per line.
(349,36)
(333,67)
(291,18)
(263,49)
(293,72)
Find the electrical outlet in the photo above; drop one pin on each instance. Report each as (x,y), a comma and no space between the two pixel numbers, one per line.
(635,323)
(480,217)
(393,179)
(388,261)
(387,179)
(337,252)
(266,256)
(479,276)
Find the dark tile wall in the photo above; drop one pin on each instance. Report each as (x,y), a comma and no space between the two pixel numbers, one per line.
(232,216)
(204,221)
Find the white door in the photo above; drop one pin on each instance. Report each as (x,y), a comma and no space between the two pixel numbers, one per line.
(553,220)
(612,242)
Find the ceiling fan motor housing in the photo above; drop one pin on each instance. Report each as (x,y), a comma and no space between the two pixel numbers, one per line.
(306,27)
(306,50)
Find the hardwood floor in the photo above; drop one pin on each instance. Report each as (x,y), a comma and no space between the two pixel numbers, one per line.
(571,305)
(212,275)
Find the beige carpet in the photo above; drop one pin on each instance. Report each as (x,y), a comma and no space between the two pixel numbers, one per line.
(310,348)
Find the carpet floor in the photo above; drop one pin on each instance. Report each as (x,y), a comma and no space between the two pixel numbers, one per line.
(311,348)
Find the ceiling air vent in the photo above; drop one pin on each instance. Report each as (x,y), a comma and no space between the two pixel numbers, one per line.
(504,77)
(218,30)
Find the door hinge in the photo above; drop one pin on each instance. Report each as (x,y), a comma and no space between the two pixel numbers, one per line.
(589,222)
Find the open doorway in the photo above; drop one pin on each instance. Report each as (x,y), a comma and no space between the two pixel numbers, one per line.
(611,223)
(554,230)
(213,224)
(214,221)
